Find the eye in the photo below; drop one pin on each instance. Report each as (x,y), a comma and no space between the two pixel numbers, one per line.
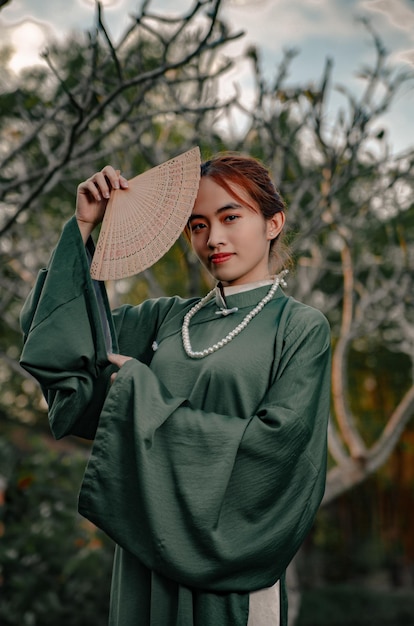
(231,218)
(197,226)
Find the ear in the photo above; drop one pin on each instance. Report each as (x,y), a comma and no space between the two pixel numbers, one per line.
(274,226)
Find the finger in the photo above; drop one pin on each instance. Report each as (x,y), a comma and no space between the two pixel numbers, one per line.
(114,178)
(118,359)
(123,182)
(103,183)
(89,188)
(114,358)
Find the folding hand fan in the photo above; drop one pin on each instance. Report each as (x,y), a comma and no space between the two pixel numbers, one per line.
(142,222)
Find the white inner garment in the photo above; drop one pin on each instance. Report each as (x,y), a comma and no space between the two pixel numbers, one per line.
(264,607)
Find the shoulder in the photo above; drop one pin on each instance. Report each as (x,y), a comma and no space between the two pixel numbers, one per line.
(303,321)
(156,310)
(138,326)
(305,314)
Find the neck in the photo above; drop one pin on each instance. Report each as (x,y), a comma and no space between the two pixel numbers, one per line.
(230,289)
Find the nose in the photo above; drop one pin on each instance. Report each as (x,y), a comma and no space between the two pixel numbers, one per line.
(216,235)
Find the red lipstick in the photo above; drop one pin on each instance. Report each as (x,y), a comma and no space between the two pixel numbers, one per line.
(221,257)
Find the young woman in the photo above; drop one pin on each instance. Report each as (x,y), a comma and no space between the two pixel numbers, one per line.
(209,416)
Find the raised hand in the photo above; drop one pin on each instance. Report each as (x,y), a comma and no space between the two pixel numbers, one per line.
(93,195)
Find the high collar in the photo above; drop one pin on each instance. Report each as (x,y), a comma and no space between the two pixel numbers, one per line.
(224,295)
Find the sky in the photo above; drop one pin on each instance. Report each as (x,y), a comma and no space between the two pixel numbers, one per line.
(316,28)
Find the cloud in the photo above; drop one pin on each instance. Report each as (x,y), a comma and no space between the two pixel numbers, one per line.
(28,26)
(27,39)
(397,12)
(406,56)
(398,15)
(291,22)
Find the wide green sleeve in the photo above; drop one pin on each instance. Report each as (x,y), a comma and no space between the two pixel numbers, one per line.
(67,332)
(210,500)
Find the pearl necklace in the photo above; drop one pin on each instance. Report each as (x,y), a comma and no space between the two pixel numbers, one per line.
(279,280)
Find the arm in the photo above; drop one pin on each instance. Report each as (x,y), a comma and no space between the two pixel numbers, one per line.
(209,500)
(64,323)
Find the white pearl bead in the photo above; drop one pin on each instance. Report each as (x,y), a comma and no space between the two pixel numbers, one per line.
(233,333)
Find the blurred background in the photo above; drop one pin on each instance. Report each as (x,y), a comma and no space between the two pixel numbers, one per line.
(322,92)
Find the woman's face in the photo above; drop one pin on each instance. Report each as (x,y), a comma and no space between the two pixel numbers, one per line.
(231,240)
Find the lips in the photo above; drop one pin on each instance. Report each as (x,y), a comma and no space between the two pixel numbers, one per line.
(221,257)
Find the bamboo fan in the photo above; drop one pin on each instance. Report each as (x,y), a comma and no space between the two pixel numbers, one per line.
(142,222)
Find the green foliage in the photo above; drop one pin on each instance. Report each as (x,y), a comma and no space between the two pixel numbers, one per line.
(377,378)
(55,566)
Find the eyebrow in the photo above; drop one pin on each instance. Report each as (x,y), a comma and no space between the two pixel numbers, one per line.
(222,209)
